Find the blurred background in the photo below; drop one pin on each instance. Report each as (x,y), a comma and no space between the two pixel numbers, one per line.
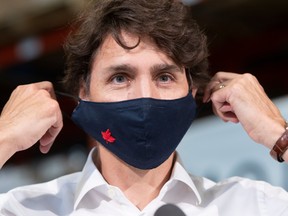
(244,36)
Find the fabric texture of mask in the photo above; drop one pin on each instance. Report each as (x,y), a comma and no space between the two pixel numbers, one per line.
(142,132)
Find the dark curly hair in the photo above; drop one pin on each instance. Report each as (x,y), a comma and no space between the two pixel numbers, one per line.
(168,23)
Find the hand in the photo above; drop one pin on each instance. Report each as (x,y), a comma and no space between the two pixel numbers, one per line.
(242,99)
(31,114)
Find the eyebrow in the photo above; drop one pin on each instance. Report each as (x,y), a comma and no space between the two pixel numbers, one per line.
(154,69)
(166,67)
(121,67)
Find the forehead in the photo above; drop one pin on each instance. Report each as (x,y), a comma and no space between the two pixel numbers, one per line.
(136,46)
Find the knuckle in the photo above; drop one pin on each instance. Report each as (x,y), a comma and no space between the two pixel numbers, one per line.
(249,77)
(53,106)
(214,97)
(48,84)
(218,75)
(53,110)
(237,89)
(48,106)
(24,90)
(35,87)
(43,93)
(20,88)
(31,87)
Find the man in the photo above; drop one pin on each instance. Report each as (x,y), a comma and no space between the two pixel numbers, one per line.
(137,66)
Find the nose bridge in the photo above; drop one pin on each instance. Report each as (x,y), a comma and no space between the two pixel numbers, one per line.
(144,87)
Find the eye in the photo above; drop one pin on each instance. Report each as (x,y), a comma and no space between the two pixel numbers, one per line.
(165,78)
(119,79)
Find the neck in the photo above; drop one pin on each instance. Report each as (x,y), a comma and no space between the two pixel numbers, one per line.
(139,186)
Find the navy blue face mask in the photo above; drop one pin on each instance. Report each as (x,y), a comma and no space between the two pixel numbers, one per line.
(142,132)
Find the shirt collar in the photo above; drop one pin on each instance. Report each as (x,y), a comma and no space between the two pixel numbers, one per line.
(179,174)
(92,178)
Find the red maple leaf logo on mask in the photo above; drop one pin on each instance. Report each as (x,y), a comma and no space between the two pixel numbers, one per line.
(107,136)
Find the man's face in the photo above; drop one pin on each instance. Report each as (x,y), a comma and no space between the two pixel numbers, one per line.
(119,74)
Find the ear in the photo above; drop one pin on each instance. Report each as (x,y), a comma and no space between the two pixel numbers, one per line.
(83,91)
(194,91)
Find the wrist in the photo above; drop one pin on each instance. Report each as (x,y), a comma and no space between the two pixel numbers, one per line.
(279,150)
(6,146)
(271,132)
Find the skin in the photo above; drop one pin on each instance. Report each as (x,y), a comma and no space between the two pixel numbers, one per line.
(119,74)
(32,104)
(244,100)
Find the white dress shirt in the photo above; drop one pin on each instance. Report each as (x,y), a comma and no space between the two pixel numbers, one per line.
(87,193)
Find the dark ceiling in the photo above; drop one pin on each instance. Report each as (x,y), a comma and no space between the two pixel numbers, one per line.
(244,36)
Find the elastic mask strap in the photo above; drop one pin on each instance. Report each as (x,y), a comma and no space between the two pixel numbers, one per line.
(67,103)
(63,94)
(202,107)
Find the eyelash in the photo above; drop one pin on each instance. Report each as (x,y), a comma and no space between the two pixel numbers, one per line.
(169,75)
(125,76)
(128,78)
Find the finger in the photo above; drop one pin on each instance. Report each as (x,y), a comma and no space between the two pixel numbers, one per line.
(24,92)
(49,137)
(226,107)
(45,149)
(224,76)
(48,86)
(43,85)
(215,84)
(208,90)
(230,117)
(217,87)
(226,113)
(221,107)
(211,88)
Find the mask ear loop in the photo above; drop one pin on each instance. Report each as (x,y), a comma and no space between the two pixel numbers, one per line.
(61,94)
(200,105)
(67,103)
